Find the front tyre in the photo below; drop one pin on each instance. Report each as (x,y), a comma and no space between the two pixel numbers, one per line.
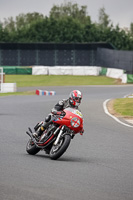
(57,150)
(31,148)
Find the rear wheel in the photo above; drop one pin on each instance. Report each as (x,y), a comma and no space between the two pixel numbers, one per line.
(31,148)
(57,150)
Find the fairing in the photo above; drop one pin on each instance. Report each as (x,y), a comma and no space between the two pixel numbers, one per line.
(73,119)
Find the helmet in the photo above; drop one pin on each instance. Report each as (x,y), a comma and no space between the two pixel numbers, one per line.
(75,98)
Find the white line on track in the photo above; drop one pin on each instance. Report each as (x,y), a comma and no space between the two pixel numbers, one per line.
(115,118)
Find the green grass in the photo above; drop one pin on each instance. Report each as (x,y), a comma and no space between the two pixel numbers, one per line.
(17,93)
(44,80)
(124,106)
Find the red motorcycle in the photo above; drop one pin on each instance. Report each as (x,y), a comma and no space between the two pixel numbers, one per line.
(57,136)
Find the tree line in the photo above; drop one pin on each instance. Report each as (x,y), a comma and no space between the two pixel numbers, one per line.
(66,23)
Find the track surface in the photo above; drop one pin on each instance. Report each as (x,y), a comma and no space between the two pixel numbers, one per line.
(97,166)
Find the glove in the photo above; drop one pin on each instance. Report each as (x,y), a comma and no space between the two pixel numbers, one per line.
(54,112)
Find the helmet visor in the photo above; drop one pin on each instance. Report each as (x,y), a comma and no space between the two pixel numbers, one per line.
(77,99)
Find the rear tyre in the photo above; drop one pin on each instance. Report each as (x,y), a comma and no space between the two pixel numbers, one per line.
(57,150)
(31,148)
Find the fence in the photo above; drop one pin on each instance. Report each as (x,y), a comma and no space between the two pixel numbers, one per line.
(51,54)
(115,59)
(1,78)
(22,54)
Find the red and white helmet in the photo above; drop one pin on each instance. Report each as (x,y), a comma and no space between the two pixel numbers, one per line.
(75,98)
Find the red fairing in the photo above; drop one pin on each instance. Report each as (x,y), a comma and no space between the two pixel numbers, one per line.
(73,119)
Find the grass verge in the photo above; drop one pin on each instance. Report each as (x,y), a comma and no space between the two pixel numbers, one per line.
(124,107)
(17,93)
(44,80)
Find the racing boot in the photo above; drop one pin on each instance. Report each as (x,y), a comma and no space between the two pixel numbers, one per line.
(38,129)
(41,127)
(38,133)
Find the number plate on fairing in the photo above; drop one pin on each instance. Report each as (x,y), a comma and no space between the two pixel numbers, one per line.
(75,111)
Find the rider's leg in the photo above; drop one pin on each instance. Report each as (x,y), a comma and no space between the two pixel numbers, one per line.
(43,126)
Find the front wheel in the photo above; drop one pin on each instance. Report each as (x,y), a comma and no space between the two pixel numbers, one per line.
(31,148)
(57,150)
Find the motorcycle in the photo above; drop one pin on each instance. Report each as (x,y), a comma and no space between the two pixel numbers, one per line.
(57,136)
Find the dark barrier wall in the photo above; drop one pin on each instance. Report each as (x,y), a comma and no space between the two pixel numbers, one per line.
(115,59)
(50,54)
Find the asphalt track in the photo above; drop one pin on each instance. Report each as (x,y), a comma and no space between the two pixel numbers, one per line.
(96,166)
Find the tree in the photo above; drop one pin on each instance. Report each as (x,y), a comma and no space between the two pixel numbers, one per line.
(70,10)
(25,20)
(104,20)
(66,24)
(131,28)
(9,24)
(21,21)
(1,32)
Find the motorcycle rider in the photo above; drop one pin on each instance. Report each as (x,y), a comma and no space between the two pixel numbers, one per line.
(73,101)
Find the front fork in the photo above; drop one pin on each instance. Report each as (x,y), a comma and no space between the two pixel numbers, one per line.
(59,135)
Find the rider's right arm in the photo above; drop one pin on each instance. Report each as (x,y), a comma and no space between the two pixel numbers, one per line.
(58,107)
